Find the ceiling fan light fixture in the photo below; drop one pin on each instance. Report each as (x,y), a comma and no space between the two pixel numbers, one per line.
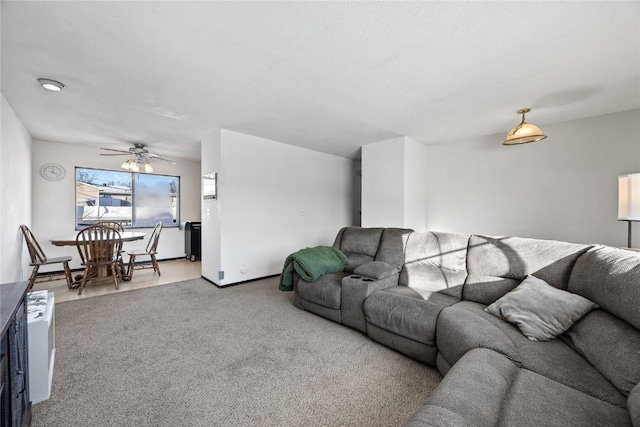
(524,132)
(126,164)
(52,85)
(148,168)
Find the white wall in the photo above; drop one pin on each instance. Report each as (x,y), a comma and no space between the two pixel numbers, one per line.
(54,201)
(383,183)
(415,185)
(564,187)
(274,199)
(211,231)
(394,184)
(15,195)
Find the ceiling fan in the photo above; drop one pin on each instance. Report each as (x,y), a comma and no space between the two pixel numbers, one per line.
(141,159)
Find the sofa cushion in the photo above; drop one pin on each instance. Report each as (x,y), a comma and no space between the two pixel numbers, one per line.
(465,326)
(487,289)
(486,389)
(405,312)
(376,270)
(325,291)
(535,400)
(540,311)
(435,261)
(392,246)
(633,403)
(359,240)
(355,260)
(611,278)
(611,345)
(471,394)
(515,258)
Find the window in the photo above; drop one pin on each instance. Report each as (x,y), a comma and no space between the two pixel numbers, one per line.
(130,198)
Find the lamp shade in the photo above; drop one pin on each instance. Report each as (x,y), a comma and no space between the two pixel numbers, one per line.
(629,197)
(524,132)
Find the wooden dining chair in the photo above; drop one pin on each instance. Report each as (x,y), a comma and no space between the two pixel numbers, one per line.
(151,251)
(113,224)
(99,247)
(38,258)
(120,228)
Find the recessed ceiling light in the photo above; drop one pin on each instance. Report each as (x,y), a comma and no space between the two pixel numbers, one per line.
(51,85)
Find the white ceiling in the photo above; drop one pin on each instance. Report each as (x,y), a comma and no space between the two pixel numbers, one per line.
(329,76)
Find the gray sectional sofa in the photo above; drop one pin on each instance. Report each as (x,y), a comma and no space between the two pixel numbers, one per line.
(424,294)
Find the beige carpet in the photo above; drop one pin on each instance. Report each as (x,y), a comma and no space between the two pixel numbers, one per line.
(190,354)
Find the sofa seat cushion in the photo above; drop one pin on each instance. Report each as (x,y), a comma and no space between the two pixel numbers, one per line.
(325,291)
(405,312)
(465,326)
(486,389)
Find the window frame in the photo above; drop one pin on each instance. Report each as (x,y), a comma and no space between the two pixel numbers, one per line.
(133,197)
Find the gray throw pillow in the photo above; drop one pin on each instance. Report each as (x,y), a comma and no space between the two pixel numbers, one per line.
(541,311)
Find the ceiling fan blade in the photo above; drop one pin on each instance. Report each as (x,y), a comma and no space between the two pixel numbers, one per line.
(123,154)
(156,157)
(119,151)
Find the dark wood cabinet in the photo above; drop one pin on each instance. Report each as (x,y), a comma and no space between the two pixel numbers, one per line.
(15,405)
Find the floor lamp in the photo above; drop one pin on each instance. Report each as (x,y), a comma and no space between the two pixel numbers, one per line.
(629,200)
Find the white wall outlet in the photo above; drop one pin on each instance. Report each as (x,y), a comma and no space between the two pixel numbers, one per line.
(243,269)
(302,212)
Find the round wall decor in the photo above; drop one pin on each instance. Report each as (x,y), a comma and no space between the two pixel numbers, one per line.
(52,172)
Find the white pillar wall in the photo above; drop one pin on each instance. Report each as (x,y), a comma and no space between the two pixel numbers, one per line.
(273,199)
(394,184)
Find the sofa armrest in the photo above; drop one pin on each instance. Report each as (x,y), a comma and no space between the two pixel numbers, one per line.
(354,290)
(376,270)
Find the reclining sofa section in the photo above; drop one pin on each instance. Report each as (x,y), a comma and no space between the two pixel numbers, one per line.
(374,259)
(424,294)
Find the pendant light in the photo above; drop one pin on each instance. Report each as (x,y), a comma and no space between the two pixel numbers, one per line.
(524,132)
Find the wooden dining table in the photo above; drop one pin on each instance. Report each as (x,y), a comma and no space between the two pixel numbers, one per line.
(127,236)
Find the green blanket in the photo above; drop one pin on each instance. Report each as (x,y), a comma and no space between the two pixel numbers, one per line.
(310,264)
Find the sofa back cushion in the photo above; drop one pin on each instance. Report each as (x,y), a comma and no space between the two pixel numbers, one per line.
(611,278)
(392,246)
(360,245)
(611,345)
(496,265)
(435,261)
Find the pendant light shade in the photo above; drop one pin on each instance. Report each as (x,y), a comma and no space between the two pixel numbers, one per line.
(524,132)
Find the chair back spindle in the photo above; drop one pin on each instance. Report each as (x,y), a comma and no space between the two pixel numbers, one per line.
(152,244)
(35,251)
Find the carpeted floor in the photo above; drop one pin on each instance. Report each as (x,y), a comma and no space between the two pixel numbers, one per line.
(190,354)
